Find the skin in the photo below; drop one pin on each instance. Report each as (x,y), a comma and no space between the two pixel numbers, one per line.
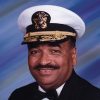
(63,56)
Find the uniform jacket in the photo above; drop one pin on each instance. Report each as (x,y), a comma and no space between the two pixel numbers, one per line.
(75,88)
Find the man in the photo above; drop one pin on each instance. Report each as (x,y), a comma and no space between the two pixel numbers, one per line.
(50,34)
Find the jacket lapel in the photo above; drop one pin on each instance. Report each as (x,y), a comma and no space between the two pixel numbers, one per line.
(71,88)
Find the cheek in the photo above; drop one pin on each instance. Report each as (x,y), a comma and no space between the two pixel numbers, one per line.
(32,62)
(63,60)
(65,63)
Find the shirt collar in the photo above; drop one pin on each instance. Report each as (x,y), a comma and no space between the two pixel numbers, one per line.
(59,89)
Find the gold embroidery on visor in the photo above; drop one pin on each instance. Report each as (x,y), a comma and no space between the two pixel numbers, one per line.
(46,36)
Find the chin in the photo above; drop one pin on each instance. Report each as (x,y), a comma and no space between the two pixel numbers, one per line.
(48,84)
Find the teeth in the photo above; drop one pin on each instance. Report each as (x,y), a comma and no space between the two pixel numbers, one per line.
(46,68)
(46,71)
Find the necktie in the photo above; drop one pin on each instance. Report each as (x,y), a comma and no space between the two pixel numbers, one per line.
(51,95)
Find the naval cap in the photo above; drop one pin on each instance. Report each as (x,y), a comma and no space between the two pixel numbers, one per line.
(49,23)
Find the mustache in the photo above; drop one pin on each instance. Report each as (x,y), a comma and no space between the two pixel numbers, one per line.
(39,66)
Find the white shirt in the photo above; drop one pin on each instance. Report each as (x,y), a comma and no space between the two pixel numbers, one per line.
(59,89)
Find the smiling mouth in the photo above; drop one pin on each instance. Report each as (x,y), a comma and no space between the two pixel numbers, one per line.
(47,69)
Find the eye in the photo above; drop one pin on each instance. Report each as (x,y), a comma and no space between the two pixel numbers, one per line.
(34,52)
(55,51)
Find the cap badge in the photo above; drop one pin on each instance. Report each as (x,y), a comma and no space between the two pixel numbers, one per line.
(40,20)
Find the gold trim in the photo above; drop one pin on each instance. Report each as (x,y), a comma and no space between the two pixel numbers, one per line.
(46,36)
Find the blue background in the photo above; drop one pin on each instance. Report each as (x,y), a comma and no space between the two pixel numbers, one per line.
(13,56)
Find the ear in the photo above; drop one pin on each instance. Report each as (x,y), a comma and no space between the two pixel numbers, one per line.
(74,61)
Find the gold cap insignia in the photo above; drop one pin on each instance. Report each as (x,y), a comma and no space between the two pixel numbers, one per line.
(40,20)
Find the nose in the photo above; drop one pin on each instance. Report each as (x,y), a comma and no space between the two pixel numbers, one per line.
(45,59)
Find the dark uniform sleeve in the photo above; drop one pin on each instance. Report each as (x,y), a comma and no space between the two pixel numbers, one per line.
(15,96)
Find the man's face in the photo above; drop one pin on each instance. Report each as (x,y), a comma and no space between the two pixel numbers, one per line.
(51,65)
